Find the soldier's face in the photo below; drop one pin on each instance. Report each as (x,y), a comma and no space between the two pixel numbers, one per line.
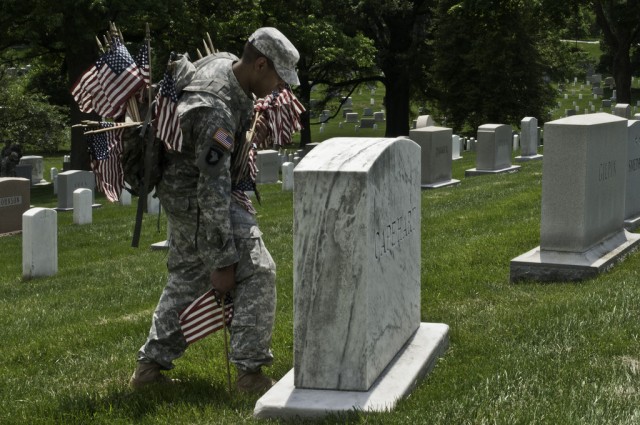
(267,81)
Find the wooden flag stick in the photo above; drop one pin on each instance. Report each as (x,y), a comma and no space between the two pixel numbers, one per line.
(121,125)
(199,53)
(226,348)
(210,43)
(206,48)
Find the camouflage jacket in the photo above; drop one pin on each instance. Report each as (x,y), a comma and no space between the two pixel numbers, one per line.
(215,114)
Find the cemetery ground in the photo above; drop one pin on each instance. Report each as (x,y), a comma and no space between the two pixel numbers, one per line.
(560,353)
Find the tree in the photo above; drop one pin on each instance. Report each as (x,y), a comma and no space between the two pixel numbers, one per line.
(494,60)
(620,25)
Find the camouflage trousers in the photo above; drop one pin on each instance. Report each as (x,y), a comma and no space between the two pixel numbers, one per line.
(254,298)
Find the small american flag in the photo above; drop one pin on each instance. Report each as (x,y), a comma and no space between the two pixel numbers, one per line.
(167,121)
(106,151)
(223,137)
(142,60)
(204,316)
(107,85)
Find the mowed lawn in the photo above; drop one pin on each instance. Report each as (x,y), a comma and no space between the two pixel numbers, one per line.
(556,353)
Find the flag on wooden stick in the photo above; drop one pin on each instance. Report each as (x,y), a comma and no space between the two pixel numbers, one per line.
(167,121)
(205,316)
(105,149)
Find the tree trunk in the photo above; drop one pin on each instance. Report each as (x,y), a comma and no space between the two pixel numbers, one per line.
(622,73)
(305,117)
(396,103)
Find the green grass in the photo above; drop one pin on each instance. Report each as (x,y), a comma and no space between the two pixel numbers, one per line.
(561,353)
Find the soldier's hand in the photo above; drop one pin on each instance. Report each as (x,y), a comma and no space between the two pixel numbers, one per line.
(261,133)
(224,280)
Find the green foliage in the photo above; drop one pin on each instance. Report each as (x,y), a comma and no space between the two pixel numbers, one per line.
(494,61)
(29,118)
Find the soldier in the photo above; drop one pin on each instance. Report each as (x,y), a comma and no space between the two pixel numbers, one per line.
(215,240)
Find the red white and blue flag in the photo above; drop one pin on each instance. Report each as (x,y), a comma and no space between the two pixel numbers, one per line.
(167,121)
(204,316)
(106,152)
(109,83)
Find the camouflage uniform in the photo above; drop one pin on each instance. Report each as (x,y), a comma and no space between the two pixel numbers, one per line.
(210,228)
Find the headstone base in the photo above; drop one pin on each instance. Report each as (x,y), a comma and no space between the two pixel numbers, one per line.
(632,223)
(412,363)
(452,182)
(549,266)
(159,246)
(475,172)
(71,209)
(42,183)
(528,158)
(456,158)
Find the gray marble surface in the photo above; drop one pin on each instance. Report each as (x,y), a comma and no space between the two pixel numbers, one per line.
(583,183)
(436,158)
(494,147)
(632,198)
(356,259)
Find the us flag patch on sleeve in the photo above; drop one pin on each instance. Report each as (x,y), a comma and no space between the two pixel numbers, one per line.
(223,137)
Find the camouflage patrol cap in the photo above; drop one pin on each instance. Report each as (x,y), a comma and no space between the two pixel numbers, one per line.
(274,45)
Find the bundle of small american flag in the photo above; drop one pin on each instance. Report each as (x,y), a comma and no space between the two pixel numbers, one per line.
(282,110)
(111,81)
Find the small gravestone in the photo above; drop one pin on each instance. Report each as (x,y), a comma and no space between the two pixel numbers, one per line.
(597,91)
(287,176)
(348,102)
(529,140)
(37,169)
(125,197)
(346,111)
(606,103)
(632,199)
(54,179)
(622,110)
(82,211)
(358,341)
(455,147)
(583,201)
(368,123)
(367,112)
(424,121)
(351,117)
(68,182)
(39,243)
(494,147)
(15,195)
(153,203)
(435,153)
(378,116)
(268,166)
(596,78)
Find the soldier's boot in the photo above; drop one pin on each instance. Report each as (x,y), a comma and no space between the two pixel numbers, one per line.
(146,374)
(253,382)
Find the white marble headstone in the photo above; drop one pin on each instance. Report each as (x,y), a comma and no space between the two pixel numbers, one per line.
(356,259)
(287,176)
(529,136)
(494,147)
(82,210)
(54,179)
(622,110)
(435,149)
(455,147)
(425,121)
(37,168)
(39,243)
(632,200)
(584,181)
(268,166)
(68,181)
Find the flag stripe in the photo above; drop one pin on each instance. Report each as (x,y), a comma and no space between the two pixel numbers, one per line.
(204,316)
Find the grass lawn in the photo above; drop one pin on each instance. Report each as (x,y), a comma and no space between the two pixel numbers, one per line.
(527,353)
